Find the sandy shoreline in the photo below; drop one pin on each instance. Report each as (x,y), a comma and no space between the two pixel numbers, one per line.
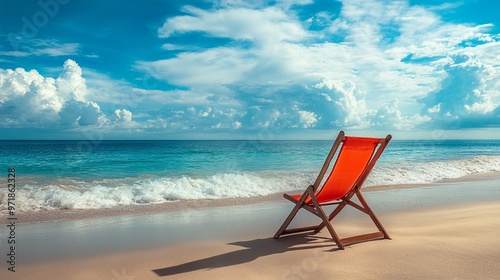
(444,231)
(444,243)
(76,214)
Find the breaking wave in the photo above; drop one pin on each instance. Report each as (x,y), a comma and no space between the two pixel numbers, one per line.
(106,193)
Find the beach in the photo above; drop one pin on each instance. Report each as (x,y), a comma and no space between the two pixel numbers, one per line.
(166,139)
(446,230)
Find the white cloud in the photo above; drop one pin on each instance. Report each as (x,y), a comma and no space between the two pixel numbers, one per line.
(372,64)
(71,83)
(81,113)
(256,25)
(14,53)
(121,116)
(291,77)
(270,56)
(215,66)
(275,62)
(388,116)
(347,101)
(285,4)
(39,47)
(307,119)
(27,99)
(236,125)
(464,97)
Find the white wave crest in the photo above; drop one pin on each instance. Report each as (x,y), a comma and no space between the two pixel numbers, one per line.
(427,172)
(106,193)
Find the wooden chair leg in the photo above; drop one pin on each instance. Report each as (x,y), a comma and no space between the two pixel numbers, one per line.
(372,215)
(292,214)
(365,208)
(335,212)
(326,223)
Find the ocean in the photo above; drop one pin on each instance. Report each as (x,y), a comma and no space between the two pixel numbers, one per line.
(101,174)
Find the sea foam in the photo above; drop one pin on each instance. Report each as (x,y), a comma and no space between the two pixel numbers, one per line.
(110,192)
(403,173)
(105,193)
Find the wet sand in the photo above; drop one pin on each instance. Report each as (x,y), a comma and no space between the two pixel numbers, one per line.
(440,231)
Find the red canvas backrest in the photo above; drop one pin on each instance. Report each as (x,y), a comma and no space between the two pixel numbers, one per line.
(354,156)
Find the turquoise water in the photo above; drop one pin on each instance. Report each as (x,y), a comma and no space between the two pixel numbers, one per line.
(114,159)
(96,174)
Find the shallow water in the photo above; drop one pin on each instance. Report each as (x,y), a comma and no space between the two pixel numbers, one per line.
(102,174)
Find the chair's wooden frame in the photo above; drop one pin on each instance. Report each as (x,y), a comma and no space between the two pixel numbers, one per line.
(312,205)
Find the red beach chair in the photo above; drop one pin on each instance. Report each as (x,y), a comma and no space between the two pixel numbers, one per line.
(355,159)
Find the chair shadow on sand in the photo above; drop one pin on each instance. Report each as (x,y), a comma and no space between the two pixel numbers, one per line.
(252,250)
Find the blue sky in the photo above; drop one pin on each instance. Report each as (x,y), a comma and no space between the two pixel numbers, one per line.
(233,69)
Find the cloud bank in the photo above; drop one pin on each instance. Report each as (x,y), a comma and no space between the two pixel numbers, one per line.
(239,67)
(29,100)
(374,65)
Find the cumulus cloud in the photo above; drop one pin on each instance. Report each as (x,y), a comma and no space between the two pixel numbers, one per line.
(464,98)
(261,50)
(122,116)
(345,103)
(70,83)
(81,113)
(389,116)
(307,119)
(28,99)
(280,65)
(290,76)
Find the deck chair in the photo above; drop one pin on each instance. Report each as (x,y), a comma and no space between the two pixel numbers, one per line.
(355,159)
